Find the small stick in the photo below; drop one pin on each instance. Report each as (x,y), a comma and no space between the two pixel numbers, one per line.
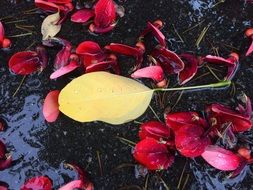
(181,176)
(100,164)
(186,181)
(19,86)
(30,45)
(202,35)
(146,182)
(25,29)
(178,99)
(138,122)
(126,141)
(181,39)
(191,28)
(20,35)
(213,73)
(219,2)
(154,113)
(15,21)
(165,185)
(30,10)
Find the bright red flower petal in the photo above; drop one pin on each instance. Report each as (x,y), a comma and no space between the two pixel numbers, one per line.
(190,141)
(105,13)
(123,49)
(2,34)
(103,66)
(82,16)
(153,155)
(152,72)
(24,63)
(158,34)
(64,70)
(51,106)
(62,57)
(37,183)
(221,158)
(154,129)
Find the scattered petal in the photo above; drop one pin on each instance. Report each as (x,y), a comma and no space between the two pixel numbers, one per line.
(158,34)
(249,34)
(64,70)
(37,183)
(51,106)
(221,158)
(152,72)
(82,16)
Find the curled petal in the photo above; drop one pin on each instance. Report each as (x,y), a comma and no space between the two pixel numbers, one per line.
(221,158)
(95,29)
(123,49)
(64,70)
(158,34)
(169,60)
(105,13)
(42,54)
(152,72)
(37,183)
(154,129)
(250,50)
(158,24)
(218,115)
(51,106)
(103,66)
(190,68)
(82,16)
(88,48)
(190,141)
(249,33)
(62,57)
(176,120)
(2,33)
(231,63)
(153,155)
(24,63)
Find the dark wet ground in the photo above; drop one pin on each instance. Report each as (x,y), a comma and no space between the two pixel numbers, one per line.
(43,147)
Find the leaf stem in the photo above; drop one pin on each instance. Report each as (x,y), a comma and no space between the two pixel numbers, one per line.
(214,85)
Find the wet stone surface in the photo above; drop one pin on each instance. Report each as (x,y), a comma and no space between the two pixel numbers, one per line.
(41,148)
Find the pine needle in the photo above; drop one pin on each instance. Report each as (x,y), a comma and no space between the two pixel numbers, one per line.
(202,35)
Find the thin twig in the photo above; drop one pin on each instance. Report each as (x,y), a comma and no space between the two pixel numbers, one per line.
(15,21)
(165,185)
(191,28)
(202,35)
(154,113)
(20,35)
(126,141)
(213,73)
(181,39)
(178,99)
(186,181)
(146,182)
(19,86)
(181,177)
(99,163)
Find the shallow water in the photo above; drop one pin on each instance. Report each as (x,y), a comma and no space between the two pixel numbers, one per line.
(41,148)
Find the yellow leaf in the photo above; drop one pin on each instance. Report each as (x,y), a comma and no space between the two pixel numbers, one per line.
(49,27)
(101,96)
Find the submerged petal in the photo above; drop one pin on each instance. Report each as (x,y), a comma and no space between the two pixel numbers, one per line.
(51,106)
(37,183)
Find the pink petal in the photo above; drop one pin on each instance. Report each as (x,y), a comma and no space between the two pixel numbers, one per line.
(158,34)
(154,129)
(105,13)
(2,34)
(64,70)
(190,68)
(37,183)
(123,49)
(95,29)
(169,60)
(250,50)
(76,184)
(24,63)
(51,106)
(153,155)
(103,66)
(190,141)
(221,158)
(82,16)
(46,6)
(3,186)
(152,72)
(62,57)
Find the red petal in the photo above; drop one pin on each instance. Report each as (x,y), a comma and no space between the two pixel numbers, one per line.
(24,63)
(158,24)
(153,155)
(158,34)
(169,60)
(190,68)
(103,66)
(76,184)
(2,150)
(3,186)
(38,183)
(105,13)
(176,120)
(232,65)
(152,72)
(46,6)
(6,163)
(88,47)
(82,16)
(64,70)
(60,1)
(62,57)
(51,106)
(154,129)
(189,141)
(219,114)
(250,50)
(2,35)
(42,54)
(95,29)
(123,49)
(220,158)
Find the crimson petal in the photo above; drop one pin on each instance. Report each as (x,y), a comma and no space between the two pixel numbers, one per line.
(221,158)
(152,72)
(154,129)
(102,66)
(46,6)
(219,114)
(176,120)
(24,63)
(158,34)
(190,68)
(82,16)
(153,155)
(249,34)
(42,54)
(62,57)
(51,106)
(169,60)
(158,24)
(123,49)
(64,70)
(105,13)
(2,34)
(190,141)
(231,63)
(37,183)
